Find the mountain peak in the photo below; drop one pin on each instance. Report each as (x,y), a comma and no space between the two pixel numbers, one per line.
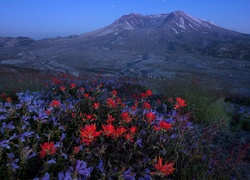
(131,20)
(179,12)
(130,16)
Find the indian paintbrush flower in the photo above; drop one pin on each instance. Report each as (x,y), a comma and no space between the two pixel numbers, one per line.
(165,169)
(47,149)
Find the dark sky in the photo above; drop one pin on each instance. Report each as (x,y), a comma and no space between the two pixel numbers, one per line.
(51,18)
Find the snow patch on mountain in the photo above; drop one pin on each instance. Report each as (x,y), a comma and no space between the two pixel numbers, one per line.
(182,23)
(175,30)
(129,26)
(192,27)
(198,22)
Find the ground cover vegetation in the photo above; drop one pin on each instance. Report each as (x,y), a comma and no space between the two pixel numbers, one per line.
(67,127)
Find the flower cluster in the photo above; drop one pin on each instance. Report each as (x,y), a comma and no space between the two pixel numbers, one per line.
(86,129)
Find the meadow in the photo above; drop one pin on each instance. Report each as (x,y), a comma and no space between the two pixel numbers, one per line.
(67,127)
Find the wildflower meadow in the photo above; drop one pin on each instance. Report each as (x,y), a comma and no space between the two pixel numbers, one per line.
(108,128)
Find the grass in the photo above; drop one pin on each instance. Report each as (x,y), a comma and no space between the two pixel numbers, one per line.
(11,83)
(204,101)
(99,128)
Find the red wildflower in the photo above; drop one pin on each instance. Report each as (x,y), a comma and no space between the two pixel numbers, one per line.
(89,117)
(55,104)
(143,95)
(48,112)
(132,129)
(110,119)
(86,95)
(76,149)
(150,116)
(119,131)
(146,105)
(165,169)
(88,134)
(114,93)
(111,103)
(73,115)
(62,88)
(136,97)
(56,81)
(82,89)
(136,103)
(118,100)
(3,96)
(72,85)
(108,130)
(129,137)
(134,108)
(179,103)
(125,116)
(96,105)
(170,100)
(8,99)
(149,93)
(163,126)
(47,149)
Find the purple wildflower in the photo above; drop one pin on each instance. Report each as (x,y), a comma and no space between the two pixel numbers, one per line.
(146,176)
(67,176)
(2,117)
(52,161)
(100,165)
(64,155)
(57,145)
(32,155)
(37,136)
(7,126)
(2,110)
(13,136)
(139,143)
(62,137)
(46,177)
(5,144)
(128,175)
(81,168)
(25,134)
(12,161)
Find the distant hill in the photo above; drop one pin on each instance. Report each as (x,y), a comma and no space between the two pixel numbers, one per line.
(15,41)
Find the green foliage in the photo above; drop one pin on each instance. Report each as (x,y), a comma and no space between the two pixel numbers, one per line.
(204,101)
(11,83)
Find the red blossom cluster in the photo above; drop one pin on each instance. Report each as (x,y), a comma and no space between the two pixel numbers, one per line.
(88,134)
(163,126)
(55,104)
(47,149)
(179,103)
(165,169)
